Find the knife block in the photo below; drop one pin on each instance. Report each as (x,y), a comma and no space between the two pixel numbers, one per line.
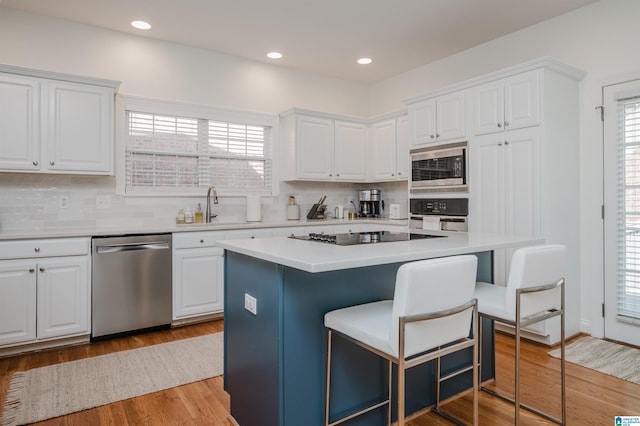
(317,211)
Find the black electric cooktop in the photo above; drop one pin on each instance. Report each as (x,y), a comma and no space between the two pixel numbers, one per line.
(354,238)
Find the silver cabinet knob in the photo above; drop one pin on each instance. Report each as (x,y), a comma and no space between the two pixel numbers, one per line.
(32,270)
(499,143)
(433,136)
(330,174)
(37,249)
(51,163)
(35,163)
(201,241)
(506,142)
(506,123)
(41,269)
(437,135)
(499,124)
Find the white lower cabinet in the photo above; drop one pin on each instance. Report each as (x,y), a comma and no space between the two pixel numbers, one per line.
(198,274)
(44,298)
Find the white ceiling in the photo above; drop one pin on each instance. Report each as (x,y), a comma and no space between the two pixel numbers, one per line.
(321,36)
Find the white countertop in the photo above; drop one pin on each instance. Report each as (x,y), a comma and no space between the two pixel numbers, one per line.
(168,227)
(312,256)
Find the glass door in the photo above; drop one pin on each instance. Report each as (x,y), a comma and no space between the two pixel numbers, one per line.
(622,211)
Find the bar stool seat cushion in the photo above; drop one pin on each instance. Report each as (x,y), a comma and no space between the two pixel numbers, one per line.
(368,323)
(491,300)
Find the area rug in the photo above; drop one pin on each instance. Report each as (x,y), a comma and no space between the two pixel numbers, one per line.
(603,356)
(56,390)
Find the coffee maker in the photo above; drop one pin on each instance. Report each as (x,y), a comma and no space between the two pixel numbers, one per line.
(370,203)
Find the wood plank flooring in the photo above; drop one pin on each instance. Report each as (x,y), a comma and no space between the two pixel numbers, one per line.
(592,398)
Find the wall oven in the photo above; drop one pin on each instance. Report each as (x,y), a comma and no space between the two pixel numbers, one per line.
(448,214)
(441,168)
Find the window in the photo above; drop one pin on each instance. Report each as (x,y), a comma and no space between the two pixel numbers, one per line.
(185,152)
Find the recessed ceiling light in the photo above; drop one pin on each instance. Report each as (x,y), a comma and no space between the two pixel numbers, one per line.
(141,25)
(274,55)
(365,61)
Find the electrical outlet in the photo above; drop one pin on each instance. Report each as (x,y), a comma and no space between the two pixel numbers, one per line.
(103,202)
(63,201)
(251,304)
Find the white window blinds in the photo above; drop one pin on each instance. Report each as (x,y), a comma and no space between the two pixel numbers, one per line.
(628,292)
(171,154)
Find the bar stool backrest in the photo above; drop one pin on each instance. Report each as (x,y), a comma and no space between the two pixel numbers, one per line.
(531,267)
(428,286)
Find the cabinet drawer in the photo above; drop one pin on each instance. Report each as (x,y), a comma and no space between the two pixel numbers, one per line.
(44,248)
(182,240)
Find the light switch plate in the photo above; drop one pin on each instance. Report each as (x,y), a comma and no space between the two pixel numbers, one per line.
(251,304)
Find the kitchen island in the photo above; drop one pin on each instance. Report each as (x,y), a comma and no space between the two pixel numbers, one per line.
(275,355)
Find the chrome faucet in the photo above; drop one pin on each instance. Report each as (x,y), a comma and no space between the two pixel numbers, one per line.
(208,213)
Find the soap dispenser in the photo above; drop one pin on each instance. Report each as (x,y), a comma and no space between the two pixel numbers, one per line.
(199,215)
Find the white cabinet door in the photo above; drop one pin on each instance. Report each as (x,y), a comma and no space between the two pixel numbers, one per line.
(63,296)
(349,142)
(488,108)
(450,116)
(423,122)
(79,128)
(314,146)
(19,123)
(17,301)
(403,138)
(383,135)
(506,196)
(522,100)
(198,277)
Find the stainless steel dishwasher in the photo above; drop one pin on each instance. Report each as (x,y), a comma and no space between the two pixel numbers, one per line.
(131,287)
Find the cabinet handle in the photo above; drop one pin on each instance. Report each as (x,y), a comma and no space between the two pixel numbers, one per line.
(41,269)
(393,174)
(499,124)
(506,123)
(399,173)
(37,249)
(506,142)
(437,135)
(32,270)
(499,143)
(35,163)
(201,241)
(337,174)
(51,163)
(330,174)
(432,136)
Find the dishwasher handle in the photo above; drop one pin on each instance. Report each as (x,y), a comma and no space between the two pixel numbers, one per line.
(115,248)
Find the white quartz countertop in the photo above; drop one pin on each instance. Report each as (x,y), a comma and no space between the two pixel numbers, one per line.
(169,227)
(312,256)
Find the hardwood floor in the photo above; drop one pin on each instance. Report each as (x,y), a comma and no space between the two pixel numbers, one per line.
(592,398)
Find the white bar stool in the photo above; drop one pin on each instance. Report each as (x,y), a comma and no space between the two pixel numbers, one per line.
(534,292)
(430,316)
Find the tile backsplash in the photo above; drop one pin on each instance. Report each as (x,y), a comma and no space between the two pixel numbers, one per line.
(31,202)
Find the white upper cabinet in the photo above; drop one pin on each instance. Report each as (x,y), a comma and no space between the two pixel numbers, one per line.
(79,128)
(19,123)
(438,119)
(314,147)
(507,104)
(320,148)
(48,125)
(349,144)
(390,144)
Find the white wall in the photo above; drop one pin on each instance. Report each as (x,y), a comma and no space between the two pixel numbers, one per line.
(601,39)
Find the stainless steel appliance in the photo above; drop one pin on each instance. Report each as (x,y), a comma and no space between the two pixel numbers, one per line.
(441,168)
(371,205)
(131,287)
(355,238)
(446,214)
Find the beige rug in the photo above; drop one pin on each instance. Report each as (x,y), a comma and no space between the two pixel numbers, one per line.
(603,356)
(52,391)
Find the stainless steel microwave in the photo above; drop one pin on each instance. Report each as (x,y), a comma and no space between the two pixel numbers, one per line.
(441,168)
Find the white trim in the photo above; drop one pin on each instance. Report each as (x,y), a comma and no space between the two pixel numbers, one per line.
(12,69)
